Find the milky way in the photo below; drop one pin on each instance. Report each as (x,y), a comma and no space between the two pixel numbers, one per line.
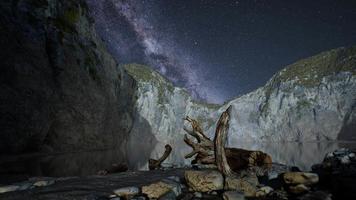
(218,50)
(134,37)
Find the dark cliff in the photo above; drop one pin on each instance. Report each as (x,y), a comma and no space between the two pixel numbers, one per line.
(60,89)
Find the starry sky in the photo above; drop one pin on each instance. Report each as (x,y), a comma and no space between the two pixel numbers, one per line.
(220,49)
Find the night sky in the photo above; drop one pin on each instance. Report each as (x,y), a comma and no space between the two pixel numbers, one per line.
(222,49)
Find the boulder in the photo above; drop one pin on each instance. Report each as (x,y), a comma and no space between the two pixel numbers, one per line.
(296,178)
(168,196)
(298,189)
(336,175)
(204,181)
(160,189)
(247,184)
(174,185)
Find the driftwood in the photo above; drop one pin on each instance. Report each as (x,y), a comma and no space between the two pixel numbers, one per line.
(155,164)
(204,148)
(228,160)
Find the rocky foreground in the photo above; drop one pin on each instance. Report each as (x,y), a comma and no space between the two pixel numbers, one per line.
(334,178)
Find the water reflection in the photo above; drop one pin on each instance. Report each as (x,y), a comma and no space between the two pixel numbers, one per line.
(303,155)
(300,154)
(70,164)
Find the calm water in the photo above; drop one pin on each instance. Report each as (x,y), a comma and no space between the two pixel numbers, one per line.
(300,154)
(18,168)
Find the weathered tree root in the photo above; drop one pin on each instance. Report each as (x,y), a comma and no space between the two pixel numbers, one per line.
(228,160)
(155,164)
(203,148)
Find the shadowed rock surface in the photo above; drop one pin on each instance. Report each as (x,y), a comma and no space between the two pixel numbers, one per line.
(93,187)
(60,89)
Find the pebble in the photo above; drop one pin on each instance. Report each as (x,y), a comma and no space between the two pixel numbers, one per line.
(345,160)
(9,188)
(264,191)
(115,198)
(329,155)
(139,198)
(43,183)
(127,191)
(233,195)
(198,194)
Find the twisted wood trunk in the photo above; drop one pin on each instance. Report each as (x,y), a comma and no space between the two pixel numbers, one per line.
(219,143)
(155,164)
(227,160)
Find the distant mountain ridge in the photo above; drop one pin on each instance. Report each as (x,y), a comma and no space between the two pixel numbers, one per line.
(311,100)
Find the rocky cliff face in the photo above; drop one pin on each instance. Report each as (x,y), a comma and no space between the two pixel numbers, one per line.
(163,107)
(60,89)
(311,100)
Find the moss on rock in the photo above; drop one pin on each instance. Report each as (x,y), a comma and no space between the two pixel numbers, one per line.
(310,71)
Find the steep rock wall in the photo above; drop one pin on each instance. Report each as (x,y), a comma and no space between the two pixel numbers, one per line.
(309,101)
(163,107)
(60,90)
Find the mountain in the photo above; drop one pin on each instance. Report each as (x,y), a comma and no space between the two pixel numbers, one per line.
(311,100)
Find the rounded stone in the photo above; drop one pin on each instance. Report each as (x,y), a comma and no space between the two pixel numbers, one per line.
(127,191)
(204,181)
(305,178)
(233,195)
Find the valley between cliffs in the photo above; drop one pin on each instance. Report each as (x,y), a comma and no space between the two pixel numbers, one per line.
(312,100)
